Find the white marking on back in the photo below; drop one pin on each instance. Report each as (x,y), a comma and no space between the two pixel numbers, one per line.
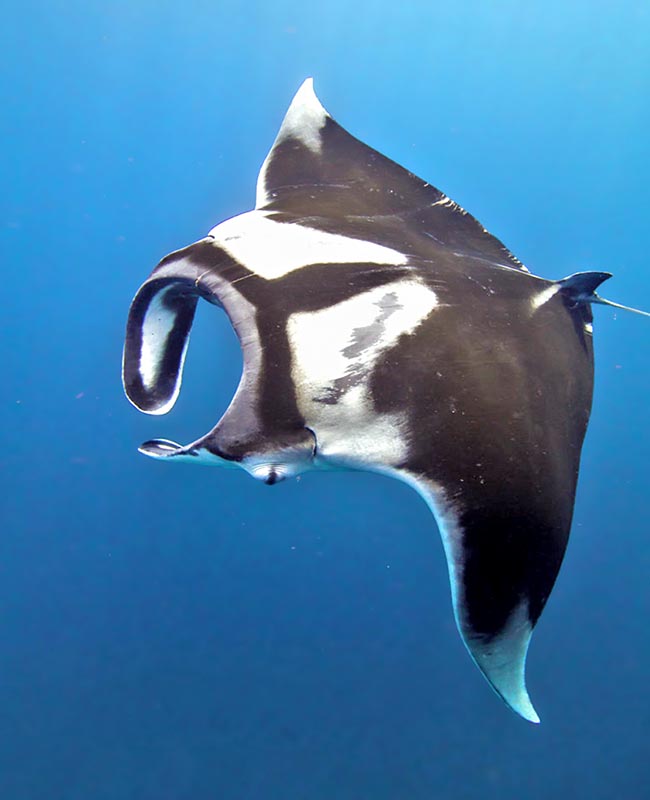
(544,296)
(334,353)
(303,121)
(272,249)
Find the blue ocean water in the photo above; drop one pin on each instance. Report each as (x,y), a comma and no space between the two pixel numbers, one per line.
(176,633)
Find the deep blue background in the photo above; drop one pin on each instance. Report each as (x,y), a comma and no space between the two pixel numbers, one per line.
(176,633)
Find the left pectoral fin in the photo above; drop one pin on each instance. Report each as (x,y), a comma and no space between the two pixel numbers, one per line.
(503,560)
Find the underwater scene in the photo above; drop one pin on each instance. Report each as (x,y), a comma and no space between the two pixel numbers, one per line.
(326,349)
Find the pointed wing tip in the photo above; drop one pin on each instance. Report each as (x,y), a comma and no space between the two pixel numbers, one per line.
(509,683)
(521,704)
(305,111)
(531,715)
(502,661)
(303,122)
(306,95)
(307,84)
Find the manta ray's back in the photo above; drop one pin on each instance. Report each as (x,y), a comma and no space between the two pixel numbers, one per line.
(383,328)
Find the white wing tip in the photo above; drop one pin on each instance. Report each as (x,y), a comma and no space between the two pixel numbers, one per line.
(520,703)
(306,95)
(303,121)
(305,112)
(508,681)
(503,662)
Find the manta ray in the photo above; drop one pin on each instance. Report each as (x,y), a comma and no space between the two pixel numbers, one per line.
(383,328)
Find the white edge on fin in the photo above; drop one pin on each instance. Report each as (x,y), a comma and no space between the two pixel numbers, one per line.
(503,662)
(303,121)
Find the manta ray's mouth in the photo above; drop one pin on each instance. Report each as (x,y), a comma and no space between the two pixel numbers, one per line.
(270,465)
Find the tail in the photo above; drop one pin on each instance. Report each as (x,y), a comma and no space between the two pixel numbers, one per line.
(581,288)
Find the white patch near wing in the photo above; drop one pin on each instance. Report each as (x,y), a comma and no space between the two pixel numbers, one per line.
(272,249)
(502,660)
(157,325)
(334,353)
(303,121)
(544,296)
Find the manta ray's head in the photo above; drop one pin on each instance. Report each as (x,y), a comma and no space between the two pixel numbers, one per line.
(269,464)
(262,430)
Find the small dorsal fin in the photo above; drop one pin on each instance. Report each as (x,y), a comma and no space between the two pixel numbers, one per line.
(581,288)
(316,169)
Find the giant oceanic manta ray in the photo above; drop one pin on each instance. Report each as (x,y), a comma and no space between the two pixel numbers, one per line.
(384,329)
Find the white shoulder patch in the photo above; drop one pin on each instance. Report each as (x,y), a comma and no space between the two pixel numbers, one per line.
(272,249)
(334,353)
(541,298)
